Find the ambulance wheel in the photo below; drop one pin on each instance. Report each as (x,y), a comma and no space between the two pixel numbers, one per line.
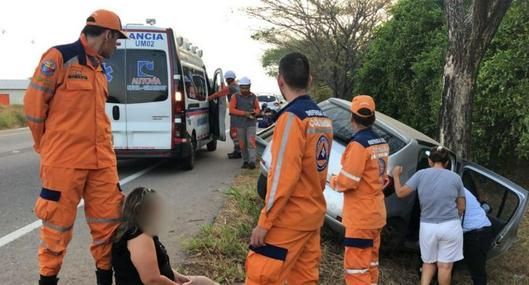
(189,162)
(212,145)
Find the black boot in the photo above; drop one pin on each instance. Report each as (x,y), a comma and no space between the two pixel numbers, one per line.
(251,165)
(234,155)
(48,280)
(244,165)
(104,277)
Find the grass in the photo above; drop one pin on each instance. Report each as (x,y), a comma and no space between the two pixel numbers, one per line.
(12,117)
(219,251)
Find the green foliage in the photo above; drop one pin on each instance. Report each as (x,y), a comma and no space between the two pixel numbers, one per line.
(501,102)
(11,117)
(403,70)
(403,66)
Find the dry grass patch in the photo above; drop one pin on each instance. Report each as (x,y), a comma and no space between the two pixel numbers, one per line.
(12,117)
(219,251)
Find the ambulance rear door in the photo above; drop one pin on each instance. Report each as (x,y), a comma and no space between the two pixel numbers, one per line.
(148,105)
(220,106)
(117,96)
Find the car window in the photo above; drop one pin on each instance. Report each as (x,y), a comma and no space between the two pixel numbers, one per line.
(503,203)
(115,73)
(341,123)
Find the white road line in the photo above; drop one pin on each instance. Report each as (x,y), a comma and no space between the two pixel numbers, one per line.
(36,224)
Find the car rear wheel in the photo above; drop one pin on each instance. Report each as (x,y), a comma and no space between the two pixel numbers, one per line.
(261,186)
(212,145)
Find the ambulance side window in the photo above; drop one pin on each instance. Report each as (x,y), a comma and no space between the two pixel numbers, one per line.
(191,89)
(200,84)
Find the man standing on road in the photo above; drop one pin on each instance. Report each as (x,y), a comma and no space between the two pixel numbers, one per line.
(285,245)
(232,88)
(65,110)
(244,108)
(361,179)
(477,239)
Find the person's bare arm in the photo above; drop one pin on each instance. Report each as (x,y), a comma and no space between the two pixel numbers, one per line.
(461,205)
(401,190)
(143,256)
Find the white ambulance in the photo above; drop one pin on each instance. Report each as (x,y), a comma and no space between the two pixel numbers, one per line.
(158,90)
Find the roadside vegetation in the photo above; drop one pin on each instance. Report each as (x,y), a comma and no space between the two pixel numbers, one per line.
(11,117)
(219,250)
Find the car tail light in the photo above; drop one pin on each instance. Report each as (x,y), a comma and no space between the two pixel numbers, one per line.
(179,117)
(179,102)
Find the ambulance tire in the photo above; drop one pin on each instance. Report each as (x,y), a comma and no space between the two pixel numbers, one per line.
(188,162)
(212,145)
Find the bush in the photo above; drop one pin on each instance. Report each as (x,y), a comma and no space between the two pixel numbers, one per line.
(12,117)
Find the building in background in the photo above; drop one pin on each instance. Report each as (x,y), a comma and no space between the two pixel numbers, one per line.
(12,91)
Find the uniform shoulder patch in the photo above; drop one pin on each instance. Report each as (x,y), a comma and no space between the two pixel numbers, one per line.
(48,67)
(322,153)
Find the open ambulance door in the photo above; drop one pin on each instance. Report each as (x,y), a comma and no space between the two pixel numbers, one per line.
(503,201)
(220,105)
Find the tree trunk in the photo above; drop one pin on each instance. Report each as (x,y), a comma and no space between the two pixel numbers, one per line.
(456,108)
(470,30)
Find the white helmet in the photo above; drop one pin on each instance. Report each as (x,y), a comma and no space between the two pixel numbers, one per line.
(229,75)
(245,81)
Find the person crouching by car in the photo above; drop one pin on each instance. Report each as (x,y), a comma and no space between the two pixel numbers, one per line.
(477,239)
(244,108)
(138,256)
(442,199)
(361,179)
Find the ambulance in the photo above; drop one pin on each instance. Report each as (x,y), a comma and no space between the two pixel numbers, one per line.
(157,103)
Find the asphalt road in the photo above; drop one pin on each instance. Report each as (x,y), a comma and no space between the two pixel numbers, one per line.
(193,199)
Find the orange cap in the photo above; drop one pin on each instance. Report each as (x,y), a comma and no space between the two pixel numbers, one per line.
(106,19)
(363,102)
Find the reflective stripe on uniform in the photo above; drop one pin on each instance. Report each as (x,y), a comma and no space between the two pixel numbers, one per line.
(91,220)
(319,131)
(99,242)
(35,119)
(41,88)
(56,227)
(279,162)
(350,176)
(373,264)
(356,271)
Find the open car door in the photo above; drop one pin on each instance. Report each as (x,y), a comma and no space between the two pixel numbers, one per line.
(504,201)
(219,105)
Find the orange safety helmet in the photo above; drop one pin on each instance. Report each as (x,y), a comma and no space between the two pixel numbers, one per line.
(106,19)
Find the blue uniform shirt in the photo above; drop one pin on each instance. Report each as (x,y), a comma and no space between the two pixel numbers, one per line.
(475,216)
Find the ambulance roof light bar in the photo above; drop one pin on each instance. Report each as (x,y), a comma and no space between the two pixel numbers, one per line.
(150,21)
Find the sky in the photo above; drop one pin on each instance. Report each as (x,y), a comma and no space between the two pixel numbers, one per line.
(220,28)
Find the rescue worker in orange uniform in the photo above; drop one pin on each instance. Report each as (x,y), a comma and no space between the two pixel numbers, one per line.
(230,90)
(361,179)
(285,245)
(65,109)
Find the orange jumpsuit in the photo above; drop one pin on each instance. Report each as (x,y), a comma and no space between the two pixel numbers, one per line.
(295,207)
(65,110)
(361,179)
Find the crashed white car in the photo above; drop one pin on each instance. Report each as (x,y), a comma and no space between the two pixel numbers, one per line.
(504,201)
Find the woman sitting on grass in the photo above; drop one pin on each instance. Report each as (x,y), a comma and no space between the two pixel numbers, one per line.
(138,256)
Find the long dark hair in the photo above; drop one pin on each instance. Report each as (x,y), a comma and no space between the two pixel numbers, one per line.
(134,211)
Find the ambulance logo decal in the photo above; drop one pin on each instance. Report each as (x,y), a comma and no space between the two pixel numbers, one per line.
(322,153)
(48,68)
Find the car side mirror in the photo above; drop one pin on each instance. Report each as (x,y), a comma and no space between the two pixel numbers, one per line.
(486,207)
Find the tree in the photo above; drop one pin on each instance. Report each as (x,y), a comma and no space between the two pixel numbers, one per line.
(332,33)
(403,65)
(471,27)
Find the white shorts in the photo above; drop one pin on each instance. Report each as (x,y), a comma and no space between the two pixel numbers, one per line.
(441,242)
